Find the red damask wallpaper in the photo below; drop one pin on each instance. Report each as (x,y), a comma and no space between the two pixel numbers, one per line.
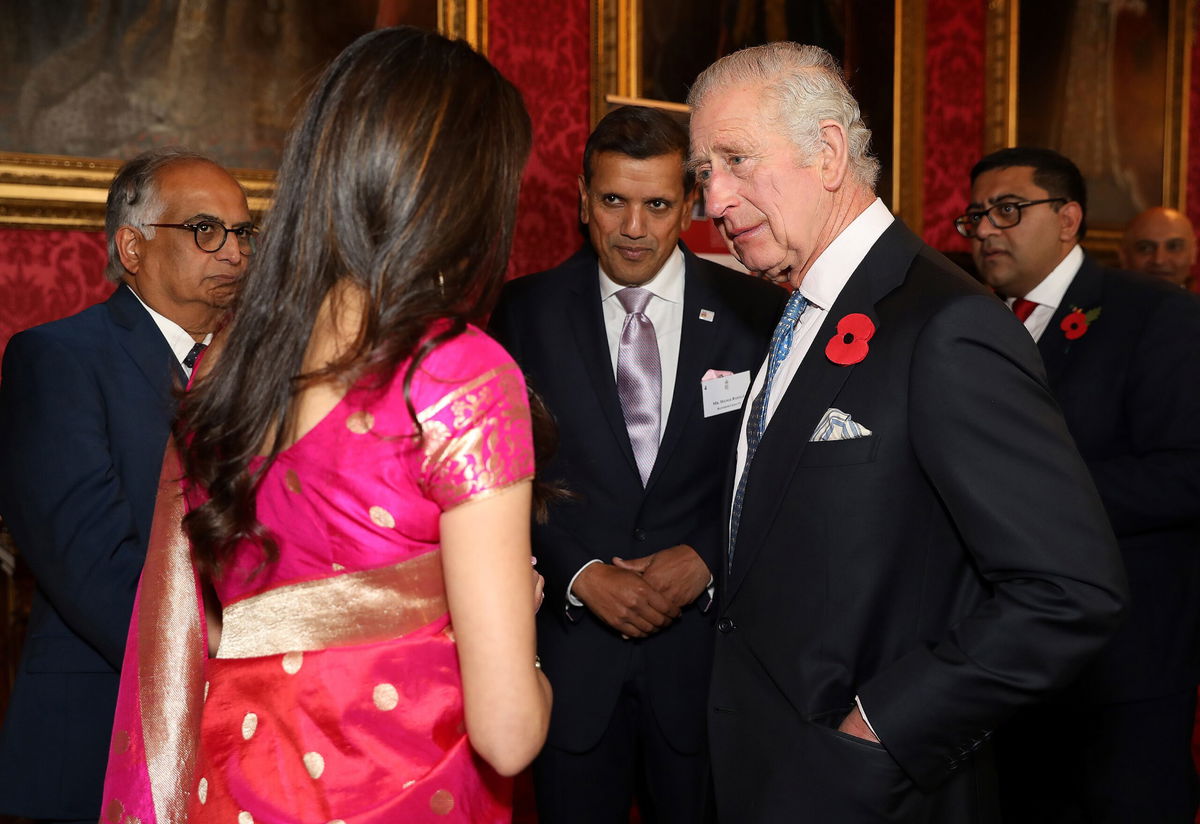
(543,46)
(48,275)
(954,51)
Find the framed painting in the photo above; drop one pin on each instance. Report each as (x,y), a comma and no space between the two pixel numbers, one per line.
(650,52)
(85,85)
(1104,83)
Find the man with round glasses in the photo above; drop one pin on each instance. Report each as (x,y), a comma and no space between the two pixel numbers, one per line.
(1122,355)
(85,410)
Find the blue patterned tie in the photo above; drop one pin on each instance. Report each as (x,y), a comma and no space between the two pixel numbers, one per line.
(781,344)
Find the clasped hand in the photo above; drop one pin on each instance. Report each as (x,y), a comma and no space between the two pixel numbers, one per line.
(638,597)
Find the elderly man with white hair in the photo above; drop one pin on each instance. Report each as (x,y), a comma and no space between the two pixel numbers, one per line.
(915,547)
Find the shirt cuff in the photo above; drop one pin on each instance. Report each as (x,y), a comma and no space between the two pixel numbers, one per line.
(571,599)
(863,713)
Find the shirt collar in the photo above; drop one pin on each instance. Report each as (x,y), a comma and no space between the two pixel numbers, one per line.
(1054,286)
(177,337)
(667,283)
(828,275)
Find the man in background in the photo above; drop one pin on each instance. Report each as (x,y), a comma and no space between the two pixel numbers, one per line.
(1122,354)
(85,410)
(1160,242)
(643,353)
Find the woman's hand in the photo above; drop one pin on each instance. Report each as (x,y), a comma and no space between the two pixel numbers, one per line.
(539,587)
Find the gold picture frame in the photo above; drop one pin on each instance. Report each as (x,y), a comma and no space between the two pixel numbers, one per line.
(40,191)
(1004,107)
(617,80)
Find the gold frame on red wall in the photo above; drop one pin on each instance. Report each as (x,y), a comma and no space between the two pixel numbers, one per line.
(617,80)
(1003,106)
(40,191)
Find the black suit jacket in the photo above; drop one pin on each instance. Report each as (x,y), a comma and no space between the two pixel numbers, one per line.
(552,324)
(1130,391)
(948,568)
(85,410)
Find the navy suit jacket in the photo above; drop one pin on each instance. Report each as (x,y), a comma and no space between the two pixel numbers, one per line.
(950,567)
(553,325)
(85,411)
(1130,391)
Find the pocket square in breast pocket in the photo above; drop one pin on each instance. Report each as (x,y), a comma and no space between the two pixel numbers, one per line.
(837,425)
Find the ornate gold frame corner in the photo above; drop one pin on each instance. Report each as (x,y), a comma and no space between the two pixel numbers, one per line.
(66,192)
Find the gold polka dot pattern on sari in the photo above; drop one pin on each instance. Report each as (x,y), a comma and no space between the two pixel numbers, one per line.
(120,742)
(249,725)
(360,422)
(385,697)
(381,517)
(314,763)
(442,802)
(292,481)
(292,662)
(202,791)
(245,818)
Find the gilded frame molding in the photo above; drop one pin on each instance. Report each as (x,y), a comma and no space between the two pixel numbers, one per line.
(616,79)
(65,192)
(1002,106)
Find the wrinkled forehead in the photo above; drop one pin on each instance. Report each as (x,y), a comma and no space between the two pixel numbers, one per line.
(732,116)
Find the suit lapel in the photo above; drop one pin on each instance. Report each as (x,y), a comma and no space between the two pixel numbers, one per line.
(144,343)
(1085,292)
(587,323)
(812,391)
(697,339)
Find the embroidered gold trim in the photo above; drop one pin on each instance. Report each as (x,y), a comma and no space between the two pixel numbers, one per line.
(353,608)
(429,411)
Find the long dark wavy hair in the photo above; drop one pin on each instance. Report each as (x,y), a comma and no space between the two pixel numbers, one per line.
(400,178)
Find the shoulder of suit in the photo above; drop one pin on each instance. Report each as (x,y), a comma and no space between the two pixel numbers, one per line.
(564,275)
(84,325)
(731,282)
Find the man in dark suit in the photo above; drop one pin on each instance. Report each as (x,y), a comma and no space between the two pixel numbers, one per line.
(85,409)
(645,432)
(1122,353)
(915,547)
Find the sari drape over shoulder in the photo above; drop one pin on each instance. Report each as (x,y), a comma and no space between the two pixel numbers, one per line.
(335,694)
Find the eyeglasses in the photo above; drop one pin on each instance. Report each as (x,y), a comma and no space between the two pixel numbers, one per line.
(1003,215)
(210,235)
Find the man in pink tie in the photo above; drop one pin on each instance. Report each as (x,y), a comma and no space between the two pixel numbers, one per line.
(1122,354)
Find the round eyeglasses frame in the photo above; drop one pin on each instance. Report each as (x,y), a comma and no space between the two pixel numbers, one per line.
(246,235)
(1003,215)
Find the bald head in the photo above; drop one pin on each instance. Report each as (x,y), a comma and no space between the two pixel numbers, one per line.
(1160,242)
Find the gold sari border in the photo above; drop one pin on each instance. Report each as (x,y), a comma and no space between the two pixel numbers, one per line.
(431,410)
(352,608)
(483,494)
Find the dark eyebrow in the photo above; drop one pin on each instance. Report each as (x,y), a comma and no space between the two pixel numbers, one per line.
(205,217)
(974,204)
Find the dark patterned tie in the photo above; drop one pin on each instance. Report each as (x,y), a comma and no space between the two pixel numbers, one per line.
(639,379)
(781,344)
(189,360)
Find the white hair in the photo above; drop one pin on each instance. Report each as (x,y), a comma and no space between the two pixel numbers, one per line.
(806,86)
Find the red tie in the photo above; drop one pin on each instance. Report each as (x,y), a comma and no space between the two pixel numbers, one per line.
(1023,308)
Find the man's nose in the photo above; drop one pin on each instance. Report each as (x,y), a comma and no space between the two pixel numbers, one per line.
(633,223)
(1161,254)
(719,194)
(231,250)
(985,229)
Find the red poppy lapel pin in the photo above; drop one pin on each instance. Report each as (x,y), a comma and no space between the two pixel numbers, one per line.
(849,345)
(1075,324)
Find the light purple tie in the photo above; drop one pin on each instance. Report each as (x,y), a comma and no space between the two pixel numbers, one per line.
(639,379)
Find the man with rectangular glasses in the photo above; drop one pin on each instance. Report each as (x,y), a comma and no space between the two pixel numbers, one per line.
(1122,355)
(85,410)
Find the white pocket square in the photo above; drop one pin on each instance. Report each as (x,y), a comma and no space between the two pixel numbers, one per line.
(836,425)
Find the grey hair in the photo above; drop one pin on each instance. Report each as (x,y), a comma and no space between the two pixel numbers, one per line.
(133,198)
(806,85)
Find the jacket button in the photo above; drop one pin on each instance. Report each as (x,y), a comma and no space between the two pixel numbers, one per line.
(639,534)
(725,625)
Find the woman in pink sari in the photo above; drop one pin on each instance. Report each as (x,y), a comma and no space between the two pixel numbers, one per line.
(356,461)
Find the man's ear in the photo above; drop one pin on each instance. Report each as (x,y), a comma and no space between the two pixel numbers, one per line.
(689,204)
(834,158)
(129,247)
(584,212)
(1070,215)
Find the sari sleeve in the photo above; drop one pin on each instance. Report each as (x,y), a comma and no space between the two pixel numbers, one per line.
(476,437)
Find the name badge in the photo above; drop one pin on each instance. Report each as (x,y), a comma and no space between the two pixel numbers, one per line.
(725,393)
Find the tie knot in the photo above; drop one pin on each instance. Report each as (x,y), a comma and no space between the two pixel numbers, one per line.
(794,308)
(189,360)
(1023,308)
(634,299)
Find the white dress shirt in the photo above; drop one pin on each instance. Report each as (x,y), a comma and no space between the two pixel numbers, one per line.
(180,341)
(665,311)
(1049,293)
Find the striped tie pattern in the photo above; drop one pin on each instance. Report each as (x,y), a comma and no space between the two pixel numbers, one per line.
(781,344)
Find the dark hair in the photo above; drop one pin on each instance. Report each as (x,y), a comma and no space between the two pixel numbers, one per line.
(639,132)
(133,198)
(400,178)
(1051,171)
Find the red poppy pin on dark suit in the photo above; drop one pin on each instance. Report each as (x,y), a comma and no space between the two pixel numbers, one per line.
(1075,325)
(849,345)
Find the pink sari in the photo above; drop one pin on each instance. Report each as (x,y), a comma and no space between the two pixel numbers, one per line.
(336,693)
